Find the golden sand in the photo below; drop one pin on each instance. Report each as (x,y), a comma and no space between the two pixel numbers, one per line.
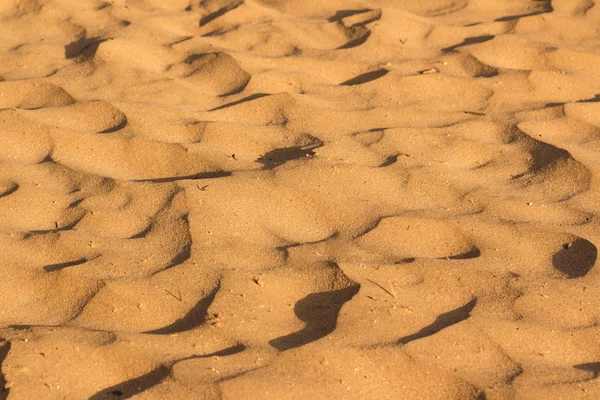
(285,199)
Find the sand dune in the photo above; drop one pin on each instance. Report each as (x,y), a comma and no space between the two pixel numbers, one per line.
(273,199)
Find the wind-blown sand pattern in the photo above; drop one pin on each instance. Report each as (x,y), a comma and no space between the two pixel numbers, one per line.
(285,199)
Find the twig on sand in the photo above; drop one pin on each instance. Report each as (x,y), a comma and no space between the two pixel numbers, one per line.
(180,298)
(474,113)
(392,288)
(392,293)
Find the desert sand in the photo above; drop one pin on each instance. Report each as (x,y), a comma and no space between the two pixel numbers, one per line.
(285,199)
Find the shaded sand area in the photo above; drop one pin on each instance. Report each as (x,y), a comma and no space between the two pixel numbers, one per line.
(271,199)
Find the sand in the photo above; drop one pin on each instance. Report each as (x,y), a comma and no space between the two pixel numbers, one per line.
(285,199)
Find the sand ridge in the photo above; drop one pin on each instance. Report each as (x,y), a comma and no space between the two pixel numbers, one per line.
(288,199)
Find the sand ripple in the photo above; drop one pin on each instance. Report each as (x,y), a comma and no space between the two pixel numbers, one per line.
(287,199)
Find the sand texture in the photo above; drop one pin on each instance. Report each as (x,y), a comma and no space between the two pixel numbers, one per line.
(299,199)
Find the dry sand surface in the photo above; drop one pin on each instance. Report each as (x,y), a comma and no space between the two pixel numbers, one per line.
(299,199)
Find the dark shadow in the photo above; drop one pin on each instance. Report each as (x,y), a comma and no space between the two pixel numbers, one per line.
(46,231)
(589,367)
(216,32)
(544,155)
(201,175)
(116,127)
(4,350)
(517,176)
(473,253)
(284,250)
(517,16)
(319,311)
(230,351)
(389,160)
(575,259)
(10,191)
(382,129)
(193,57)
(21,327)
(245,99)
(237,90)
(180,40)
(132,387)
(469,41)
(59,266)
(221,11)
(356,42)
(549,105)
(546,9)
(83,47)
(366,77)
(368,228)
(341,14)
(594,99)
(143,233)
(277,157)
(193,319)
(443,321)
(75,203)
(184,254)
